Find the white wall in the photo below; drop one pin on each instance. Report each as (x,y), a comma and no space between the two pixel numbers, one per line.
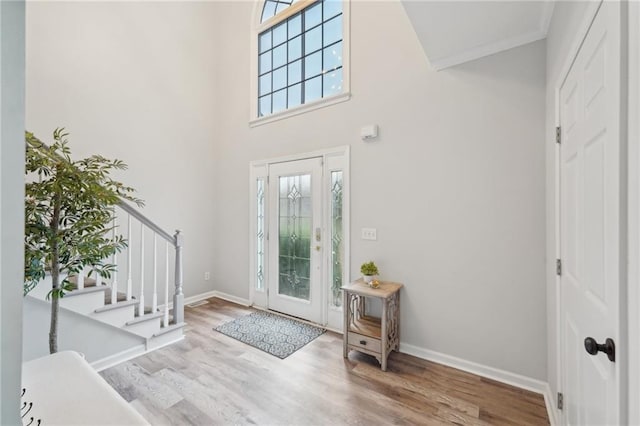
(454,184)
(11,210)
(567,18)
(135,81)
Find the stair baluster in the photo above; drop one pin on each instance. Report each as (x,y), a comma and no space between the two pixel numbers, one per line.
(130,242)
(114,261)
(178,297)
(141,305)
(80,279)
(154,300)
(166,287)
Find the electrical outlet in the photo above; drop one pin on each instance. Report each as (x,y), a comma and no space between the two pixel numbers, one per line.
(369,234)
(207,276)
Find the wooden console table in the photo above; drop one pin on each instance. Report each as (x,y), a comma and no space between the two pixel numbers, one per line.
(367,334)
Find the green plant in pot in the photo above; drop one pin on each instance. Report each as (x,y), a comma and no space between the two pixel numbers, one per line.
(69,211)
(369,270)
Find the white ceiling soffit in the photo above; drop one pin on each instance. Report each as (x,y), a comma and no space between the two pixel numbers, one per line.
(453,32)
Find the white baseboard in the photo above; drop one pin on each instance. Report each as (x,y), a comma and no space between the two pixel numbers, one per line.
(165,343)
(231,298)
(209,294)
(198,297)
(492,373)
(126,355)
(513,379)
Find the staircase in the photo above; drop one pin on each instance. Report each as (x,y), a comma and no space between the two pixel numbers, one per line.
(142,300)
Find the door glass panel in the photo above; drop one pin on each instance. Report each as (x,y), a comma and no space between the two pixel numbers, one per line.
(260,234)
(295,236)
(337,245)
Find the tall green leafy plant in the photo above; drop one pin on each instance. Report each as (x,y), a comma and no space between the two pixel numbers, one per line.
(69,211)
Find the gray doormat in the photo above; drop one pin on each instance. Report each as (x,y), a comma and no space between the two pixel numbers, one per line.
(271,333)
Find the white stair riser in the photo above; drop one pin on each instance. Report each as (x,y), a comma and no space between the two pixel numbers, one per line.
(118,316)
(145,328)
(84,303)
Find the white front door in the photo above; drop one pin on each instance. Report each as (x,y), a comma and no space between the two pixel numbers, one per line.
(296,240)
(590,236)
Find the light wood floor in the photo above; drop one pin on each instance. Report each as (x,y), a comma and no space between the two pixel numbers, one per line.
(210,378)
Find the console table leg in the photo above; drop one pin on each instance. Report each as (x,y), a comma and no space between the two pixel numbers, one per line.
(384,333)
(397,315)
(345,309)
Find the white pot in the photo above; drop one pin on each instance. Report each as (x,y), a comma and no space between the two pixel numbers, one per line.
(367,278)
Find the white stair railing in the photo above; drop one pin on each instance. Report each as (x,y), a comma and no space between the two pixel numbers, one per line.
(142,262)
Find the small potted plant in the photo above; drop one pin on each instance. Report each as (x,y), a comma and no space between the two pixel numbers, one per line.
(369,270)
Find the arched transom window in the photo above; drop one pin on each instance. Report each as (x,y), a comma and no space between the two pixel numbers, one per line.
(300,54)
(272,7)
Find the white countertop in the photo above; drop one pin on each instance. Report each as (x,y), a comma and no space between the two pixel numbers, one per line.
(65,390)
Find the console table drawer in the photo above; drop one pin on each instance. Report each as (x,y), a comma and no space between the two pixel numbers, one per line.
(365,342)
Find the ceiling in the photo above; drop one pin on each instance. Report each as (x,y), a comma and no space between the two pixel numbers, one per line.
(453,32)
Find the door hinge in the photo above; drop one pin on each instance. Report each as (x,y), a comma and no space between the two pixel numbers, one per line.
(558,267)
(558,134)
(560,401)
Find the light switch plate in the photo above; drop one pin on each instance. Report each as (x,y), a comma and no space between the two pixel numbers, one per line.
(369,234)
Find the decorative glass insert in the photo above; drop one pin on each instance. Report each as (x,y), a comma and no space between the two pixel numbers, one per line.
(300,58)
(260,237)
(294,236)
(337,246)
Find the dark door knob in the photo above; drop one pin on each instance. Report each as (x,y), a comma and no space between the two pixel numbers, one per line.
(594,347)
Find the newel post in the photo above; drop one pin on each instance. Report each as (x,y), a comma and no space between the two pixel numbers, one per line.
(178,297)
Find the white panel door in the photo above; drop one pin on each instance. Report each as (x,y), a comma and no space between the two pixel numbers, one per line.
(295,240)
(590,198)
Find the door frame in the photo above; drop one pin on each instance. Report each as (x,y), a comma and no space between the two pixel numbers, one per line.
(333,159)
(624,317)
(634,210)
